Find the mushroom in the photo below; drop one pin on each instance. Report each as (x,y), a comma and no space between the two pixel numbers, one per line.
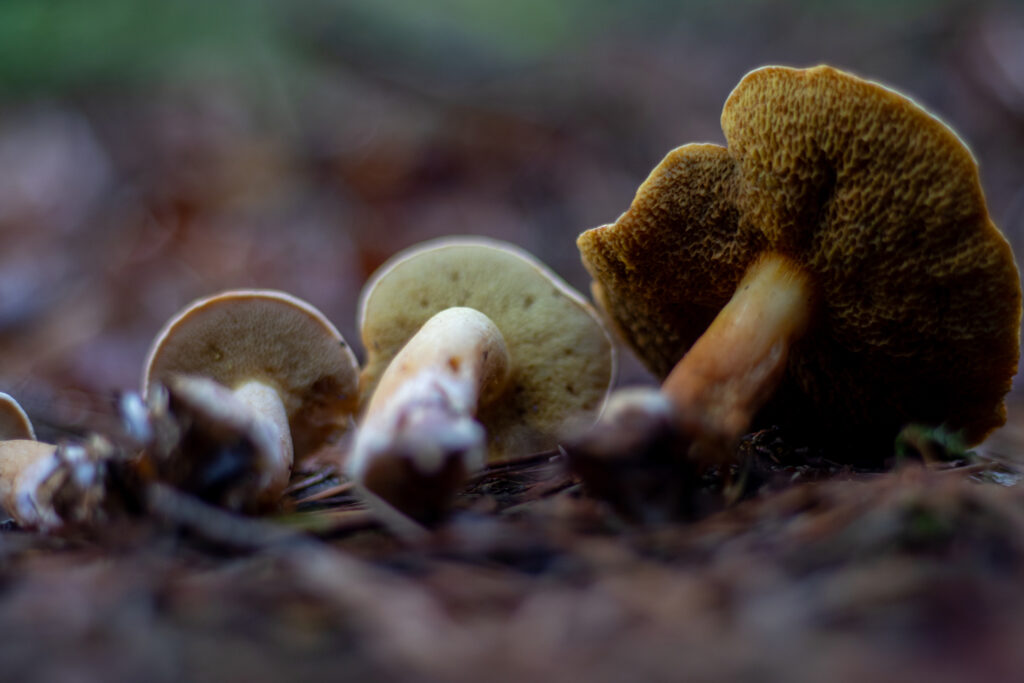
(45,486)
(261,372)
(476,352)
(835,264)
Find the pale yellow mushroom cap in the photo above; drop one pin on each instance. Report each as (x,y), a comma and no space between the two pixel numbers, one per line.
(562,358)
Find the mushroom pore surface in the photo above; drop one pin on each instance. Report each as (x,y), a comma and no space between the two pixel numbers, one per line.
(916,293)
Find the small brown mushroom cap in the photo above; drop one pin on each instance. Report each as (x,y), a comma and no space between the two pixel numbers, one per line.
(14,423)
(271,337)
(917,297)
(562,358)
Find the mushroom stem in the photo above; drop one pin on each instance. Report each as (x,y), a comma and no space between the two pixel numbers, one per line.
(266,402)
(419,439)
(218,419)
(734,367)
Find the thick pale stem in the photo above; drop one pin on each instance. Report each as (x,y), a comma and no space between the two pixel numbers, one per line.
(266,403)
(738,362)
(419,430)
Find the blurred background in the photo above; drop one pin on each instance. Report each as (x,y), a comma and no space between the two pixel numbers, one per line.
(155,152)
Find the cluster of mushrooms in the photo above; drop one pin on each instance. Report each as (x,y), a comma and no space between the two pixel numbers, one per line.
(476,352)
(834,266)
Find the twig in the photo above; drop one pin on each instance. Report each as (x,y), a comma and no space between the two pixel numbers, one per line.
(334,522)
(311,480)
(966,469)
(215,524)
(519,463)
(569,486)
(336,490)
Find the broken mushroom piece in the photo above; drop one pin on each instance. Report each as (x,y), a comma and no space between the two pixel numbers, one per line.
(45,487)
(834,265)
(285,384)
(42,486)
(210,442)
(476,352)
(633,459)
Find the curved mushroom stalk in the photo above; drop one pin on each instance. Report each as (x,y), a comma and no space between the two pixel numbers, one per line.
(227,446)
(736,365)
(419,439)
(264,401)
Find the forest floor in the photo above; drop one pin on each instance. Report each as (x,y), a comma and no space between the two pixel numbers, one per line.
(307,163)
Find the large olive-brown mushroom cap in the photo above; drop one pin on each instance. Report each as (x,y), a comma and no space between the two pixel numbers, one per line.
(917,298)
(562,360)
(273,338)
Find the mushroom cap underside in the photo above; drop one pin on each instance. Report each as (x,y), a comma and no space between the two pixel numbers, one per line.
(562,358)
(917,293)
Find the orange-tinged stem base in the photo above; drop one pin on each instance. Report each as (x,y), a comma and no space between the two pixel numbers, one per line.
(737,363)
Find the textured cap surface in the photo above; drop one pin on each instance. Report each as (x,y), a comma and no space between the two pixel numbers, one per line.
(562,359)
(270,337)
(918,298)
